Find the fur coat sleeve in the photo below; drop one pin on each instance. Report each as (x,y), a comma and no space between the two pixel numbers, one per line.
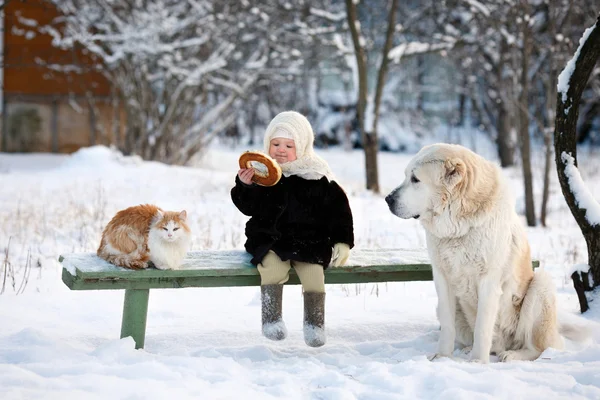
(245,197)
(340,223)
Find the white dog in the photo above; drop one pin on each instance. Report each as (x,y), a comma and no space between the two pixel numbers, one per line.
(488,296)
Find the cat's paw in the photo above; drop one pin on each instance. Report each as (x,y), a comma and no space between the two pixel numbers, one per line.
(161,266)
(137,265)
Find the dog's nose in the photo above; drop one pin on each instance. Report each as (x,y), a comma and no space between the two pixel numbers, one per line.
(389,199)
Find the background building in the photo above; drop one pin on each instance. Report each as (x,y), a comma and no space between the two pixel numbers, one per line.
(54,100)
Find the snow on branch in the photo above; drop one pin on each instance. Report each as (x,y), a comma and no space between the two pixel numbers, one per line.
(583,197)
(411,48)
(477,6)
(339,44)
(565,76)
(579,268)
(333,17)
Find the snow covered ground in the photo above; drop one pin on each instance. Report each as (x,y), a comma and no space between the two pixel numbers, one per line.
(206,343)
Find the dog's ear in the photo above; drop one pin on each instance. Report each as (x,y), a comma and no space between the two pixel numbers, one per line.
(455,170)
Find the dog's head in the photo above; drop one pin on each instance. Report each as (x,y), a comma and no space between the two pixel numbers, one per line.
(430,178)
(441,176)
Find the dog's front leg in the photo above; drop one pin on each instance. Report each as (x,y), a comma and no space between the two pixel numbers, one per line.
(446,314)
(488,299)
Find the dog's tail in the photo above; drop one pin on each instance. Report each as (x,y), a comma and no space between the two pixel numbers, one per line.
(574,328)
(575,332)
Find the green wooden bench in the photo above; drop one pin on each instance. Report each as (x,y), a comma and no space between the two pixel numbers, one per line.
(86,271)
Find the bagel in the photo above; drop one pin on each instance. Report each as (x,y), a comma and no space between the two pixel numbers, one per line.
(268,177)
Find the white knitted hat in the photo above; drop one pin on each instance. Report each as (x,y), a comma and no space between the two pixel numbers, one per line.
(307,165)
(281,133)
(295,124)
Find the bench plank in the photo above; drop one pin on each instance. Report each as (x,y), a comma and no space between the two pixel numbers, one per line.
(87,271)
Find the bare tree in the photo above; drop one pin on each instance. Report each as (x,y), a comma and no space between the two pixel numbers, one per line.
(554,52)
(571,83)
(369,134)
(182,67)
(485,42)
(524,113)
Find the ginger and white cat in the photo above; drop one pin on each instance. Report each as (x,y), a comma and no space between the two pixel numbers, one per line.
(145,233)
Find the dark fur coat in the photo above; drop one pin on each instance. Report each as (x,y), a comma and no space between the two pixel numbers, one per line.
(299,219)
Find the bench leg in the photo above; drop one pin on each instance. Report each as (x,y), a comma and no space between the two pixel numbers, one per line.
(135,311)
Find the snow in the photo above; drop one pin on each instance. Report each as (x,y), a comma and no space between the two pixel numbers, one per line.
(579,268)
(583,197)
(335,17)
(479,7)
(565,76)
(206,342)
(410,48)
(236,259)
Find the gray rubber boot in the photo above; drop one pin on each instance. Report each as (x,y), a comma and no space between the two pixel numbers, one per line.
(314,319)
(273,326)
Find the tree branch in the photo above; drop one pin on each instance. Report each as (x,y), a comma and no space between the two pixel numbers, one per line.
(384,62)
(567,112)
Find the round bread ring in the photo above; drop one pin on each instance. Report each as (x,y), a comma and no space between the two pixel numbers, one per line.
(273,174)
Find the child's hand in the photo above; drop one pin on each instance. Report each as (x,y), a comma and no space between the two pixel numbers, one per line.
(245,175)
(340,254)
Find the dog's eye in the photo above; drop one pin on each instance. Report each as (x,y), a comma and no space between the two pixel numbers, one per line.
(414,179)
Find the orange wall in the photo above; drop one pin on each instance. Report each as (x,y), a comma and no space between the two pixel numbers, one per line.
(22,75)
(73,127)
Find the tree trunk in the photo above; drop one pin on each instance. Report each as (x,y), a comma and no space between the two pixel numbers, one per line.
(524,123)
(581,283)
(593,245)
(459,120)
(506,149)
(372,146)
(565,144)
(546,188)
(505,139)
(369,141)
(550,86)
(587,125)
(420,84)
(92,119)
(550,108)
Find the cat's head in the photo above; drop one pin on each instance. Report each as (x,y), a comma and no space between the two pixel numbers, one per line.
(171,225)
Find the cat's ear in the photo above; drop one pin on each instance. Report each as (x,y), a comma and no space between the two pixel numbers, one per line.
(183,215)
(158,216)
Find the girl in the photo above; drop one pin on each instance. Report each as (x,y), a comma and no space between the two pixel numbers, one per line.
(303,222)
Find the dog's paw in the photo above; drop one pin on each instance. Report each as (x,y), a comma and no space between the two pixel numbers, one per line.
(436,356)
(478,361)
(506,356)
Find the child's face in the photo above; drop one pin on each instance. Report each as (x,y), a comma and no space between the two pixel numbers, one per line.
(283,150)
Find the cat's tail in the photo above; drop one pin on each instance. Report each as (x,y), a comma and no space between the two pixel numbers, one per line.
(130,261)
(126,261)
